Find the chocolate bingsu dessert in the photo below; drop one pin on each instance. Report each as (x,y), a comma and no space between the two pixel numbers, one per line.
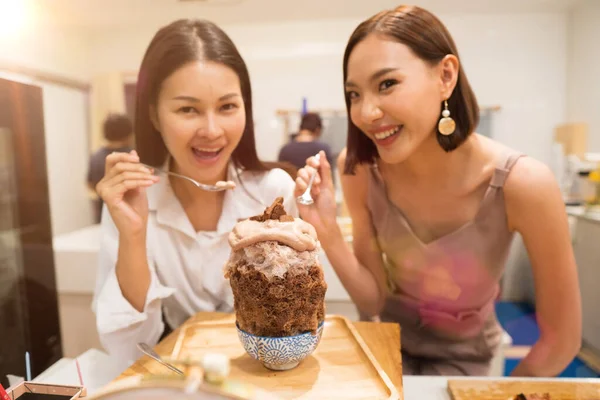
(275,275)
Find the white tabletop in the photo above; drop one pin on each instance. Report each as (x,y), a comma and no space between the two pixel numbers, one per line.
(97,371)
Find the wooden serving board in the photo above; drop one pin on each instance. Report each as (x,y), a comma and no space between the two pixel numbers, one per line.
(467,389)
(342,366)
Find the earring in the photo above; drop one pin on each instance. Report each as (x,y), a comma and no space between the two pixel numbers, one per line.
(446,126)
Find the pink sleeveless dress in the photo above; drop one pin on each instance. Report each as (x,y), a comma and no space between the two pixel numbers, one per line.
(442,293)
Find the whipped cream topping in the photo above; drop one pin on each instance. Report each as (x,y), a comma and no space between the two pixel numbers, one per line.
(299,235)
(272,259)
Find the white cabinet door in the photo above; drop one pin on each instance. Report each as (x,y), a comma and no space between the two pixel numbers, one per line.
(586,244)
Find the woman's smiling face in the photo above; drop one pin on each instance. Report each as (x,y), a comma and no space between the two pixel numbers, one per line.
(201,116)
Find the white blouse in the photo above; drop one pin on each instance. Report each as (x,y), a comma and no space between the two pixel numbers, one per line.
(186,266)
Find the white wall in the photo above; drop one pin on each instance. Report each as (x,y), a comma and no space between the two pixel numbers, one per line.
(62,52)
(517,61)
(47,48)
(67,157)
(289,62)
(583,95)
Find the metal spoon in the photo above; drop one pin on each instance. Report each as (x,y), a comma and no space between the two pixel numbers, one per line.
(306,199)
(219,186)
(144,348)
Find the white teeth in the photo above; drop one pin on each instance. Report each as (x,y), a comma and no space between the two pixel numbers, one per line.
(206,150)
(388,133)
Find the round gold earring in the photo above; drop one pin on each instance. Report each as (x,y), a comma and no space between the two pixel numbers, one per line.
(446,126)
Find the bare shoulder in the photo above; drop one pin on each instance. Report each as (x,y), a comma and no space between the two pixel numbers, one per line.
(531,191)
(530,179)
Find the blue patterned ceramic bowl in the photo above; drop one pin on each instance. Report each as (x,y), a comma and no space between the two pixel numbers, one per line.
(280,353)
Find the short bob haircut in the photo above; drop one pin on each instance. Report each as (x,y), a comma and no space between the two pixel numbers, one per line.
(311,122)
(429,40)
(173,46)
(117,127)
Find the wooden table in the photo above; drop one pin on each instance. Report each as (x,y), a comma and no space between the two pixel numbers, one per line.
(382,338)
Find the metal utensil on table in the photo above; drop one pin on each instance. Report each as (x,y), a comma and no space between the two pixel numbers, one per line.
(306,199)
(220,186)
(144,348)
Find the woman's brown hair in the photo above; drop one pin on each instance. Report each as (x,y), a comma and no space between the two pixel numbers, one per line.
(429,40)
(173,46)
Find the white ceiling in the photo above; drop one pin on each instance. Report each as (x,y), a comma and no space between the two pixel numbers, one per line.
(102,14)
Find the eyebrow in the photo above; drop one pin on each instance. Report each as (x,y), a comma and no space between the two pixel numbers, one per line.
(195,100)
(375,76)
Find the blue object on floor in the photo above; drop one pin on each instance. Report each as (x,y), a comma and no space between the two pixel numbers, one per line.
(519,321)
(577,369)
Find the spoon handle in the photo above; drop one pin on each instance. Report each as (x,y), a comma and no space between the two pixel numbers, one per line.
(312,177)
(151,353)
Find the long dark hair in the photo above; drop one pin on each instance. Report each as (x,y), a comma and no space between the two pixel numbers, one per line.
(429,39)
(173,46)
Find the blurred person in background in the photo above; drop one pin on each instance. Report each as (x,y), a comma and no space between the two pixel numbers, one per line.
(118,132)
(306,143)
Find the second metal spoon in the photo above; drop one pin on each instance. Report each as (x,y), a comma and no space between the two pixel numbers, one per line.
(144,348)
(306,199)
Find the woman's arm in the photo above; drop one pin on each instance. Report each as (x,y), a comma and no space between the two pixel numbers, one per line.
(121,323)
(536,210)
(361,272)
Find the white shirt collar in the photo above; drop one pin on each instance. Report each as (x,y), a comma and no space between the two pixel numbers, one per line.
(236,204)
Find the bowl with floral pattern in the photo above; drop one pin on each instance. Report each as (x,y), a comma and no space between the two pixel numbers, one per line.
(280,353)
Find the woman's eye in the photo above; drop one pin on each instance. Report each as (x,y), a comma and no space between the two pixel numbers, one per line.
(187,110)
(388,83)
(352,95)
(229,106)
